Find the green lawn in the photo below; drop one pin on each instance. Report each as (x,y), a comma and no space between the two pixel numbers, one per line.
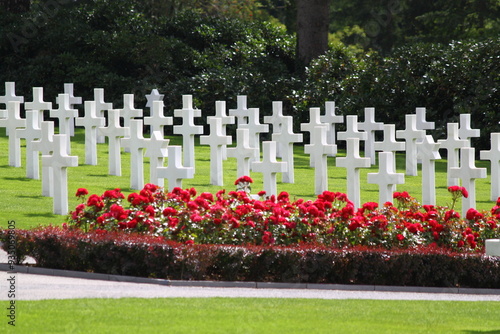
(23,203)
(242,315)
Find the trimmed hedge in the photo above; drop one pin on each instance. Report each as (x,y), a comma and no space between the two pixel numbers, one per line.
(146,256)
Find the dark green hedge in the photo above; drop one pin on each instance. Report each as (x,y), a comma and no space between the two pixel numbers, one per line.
(135,255)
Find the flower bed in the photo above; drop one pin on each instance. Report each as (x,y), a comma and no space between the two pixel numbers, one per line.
(236,218)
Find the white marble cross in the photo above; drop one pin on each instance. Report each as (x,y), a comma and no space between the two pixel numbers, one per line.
(129,112)
(352,130)
(314,122)
(45,145)
(452,144)
(175,172)
(241,112)
(353,162)
(73,100)
(90,121)
(285,139)
(422,123)
(389,144)
(38,103)
(330,118)
(10,95)
(31,133)
(11,123)
(493,155)
(217,141)
(136,143)
(370,126)
(468,173)
(428,152)
(59,161)
(276,121)
(242,152)
(255,128)
(269,167)
(157,119)
(465,131)
(156,151)
(101,106)
(153,96)
(411,134)
(386,178)
(65,114)
(114,131)
(220,112)
(188,129)
(318,151)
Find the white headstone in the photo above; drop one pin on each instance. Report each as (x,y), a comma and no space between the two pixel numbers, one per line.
(11,123)
(411,134)
(370,126)
(90,121)
(314,122)
(330,119)
(386,178)
(38,103)
(59,161)
(242,152)
(276,121)
(465,131)
(318,151)
(422,123)
(352,130)
(468,173)
(254,130)
(101,106)
(389,144)
(269,167)
(428,152)
(73,100)
(10,95)
(175,172)
(31,133)
(156,151)
(153,96)
(493,155)
(45,146)
(220,112)
(241,111)
(353,162)
(114,131)
(157,119)
(217,141)
(188,129)
(285,139)
(136,144)
(128,112)
(65,114)
(452,144)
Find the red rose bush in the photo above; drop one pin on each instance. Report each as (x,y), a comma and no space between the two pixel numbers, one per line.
(237,218)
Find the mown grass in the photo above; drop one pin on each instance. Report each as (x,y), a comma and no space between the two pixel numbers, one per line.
(23,203)
(254,315)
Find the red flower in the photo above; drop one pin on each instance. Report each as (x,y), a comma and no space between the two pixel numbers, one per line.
(243,179)
(400,237)
(370,206)
(267,238)
(262,193)
(189,242)
(81,192)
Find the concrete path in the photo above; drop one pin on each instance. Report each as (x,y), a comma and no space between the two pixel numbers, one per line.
(31,283)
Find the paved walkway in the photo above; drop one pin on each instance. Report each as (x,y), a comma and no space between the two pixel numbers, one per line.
(32,283)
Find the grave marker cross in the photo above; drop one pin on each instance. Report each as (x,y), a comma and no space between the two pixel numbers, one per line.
(217,141)
(428,152)
(73,100)
(157,119)
(330,118)
(114,131)
(269,167)
(220,112)
(175,172)
(45,146)
(386,178)
(10,95)
(285,140)
(156,151)
(370,126)
(468,173)
(465,131)
(64,113)
(38,104)
(389,143)
(318,151)
(353,162)
(90,121)
(241,112)
(410,134)
(136,144)
(242,152)
(493,155)
(101,106)
(188,129)
(352,130)
(276,121)
(452,144)
(311,127)
(59,161)
(11,123)
(30,133)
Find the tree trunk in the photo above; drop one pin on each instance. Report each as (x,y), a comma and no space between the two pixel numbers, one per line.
(15,6)
(312,29)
